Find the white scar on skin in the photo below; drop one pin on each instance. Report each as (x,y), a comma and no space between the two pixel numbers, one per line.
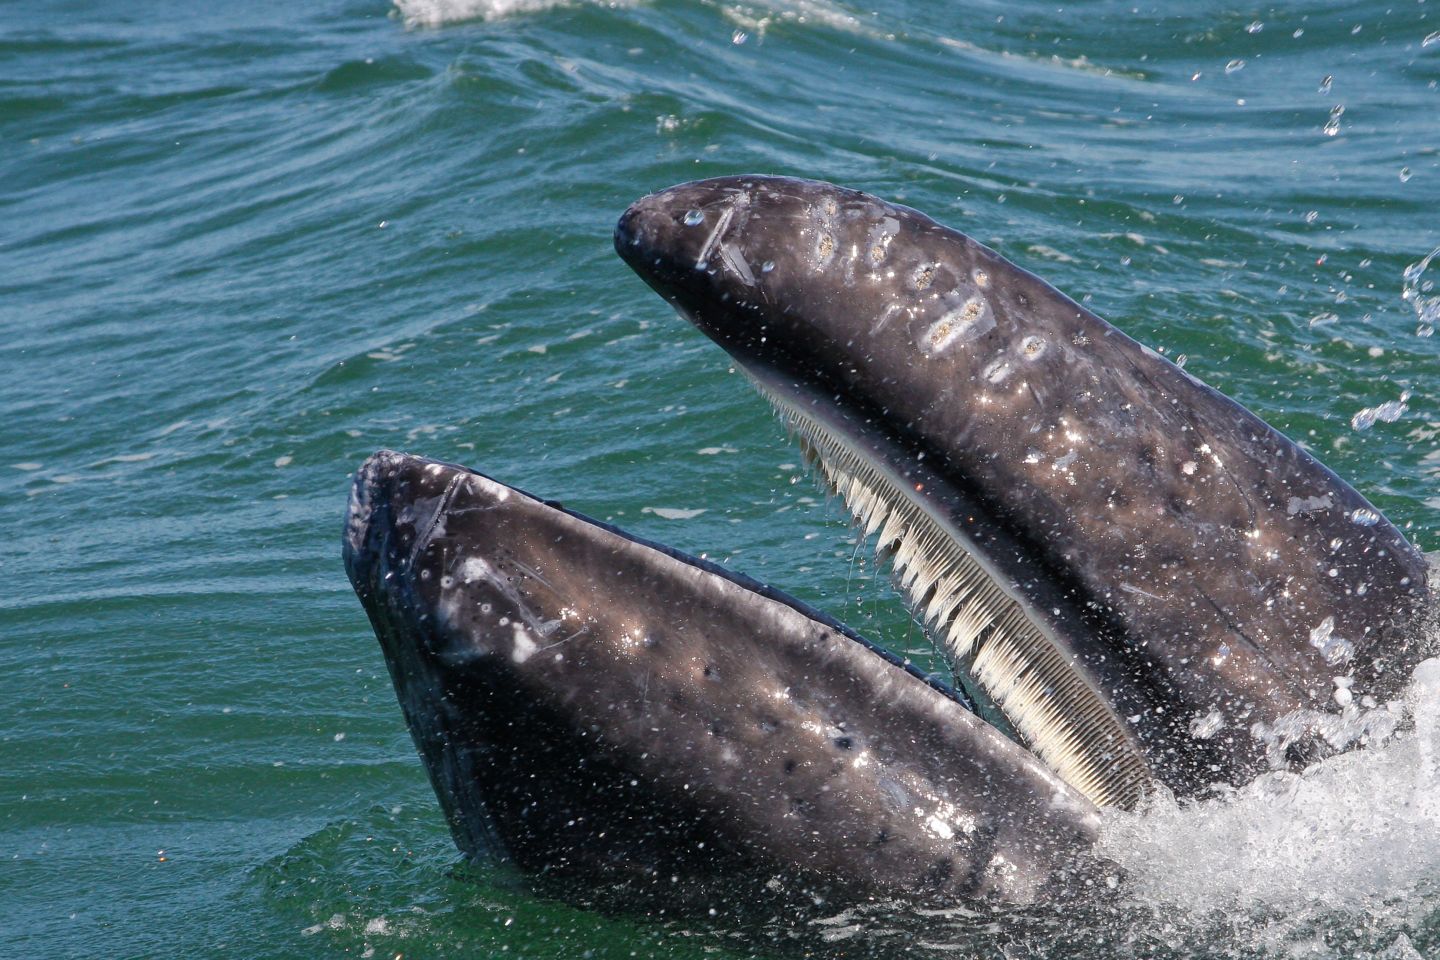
(525,645)
(485,485)
(718,234)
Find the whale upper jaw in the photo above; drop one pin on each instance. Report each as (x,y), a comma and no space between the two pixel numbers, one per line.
(595,706)
(1134,569)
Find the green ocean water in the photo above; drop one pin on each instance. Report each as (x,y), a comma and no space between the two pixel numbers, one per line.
(243,246)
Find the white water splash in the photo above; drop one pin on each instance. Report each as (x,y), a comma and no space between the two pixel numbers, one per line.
(1354,834)
(437,13)
(674,513)
(1416,291)
(1389,412)
(757,18)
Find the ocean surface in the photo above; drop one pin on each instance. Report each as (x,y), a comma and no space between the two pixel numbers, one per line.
(244,245)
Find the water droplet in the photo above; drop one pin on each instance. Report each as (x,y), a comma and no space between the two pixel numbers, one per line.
(1405,174)
(1416,292)
(767,266)
(1311,216)
(1255,27)
(1235,66)
(1431,39)
(1334,649)
(739,37)
(1332,126)
(1203,728)
(693,218)
(1388,412)
(1343,696)
(1326,83)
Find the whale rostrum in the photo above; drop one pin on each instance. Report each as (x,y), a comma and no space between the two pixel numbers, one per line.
(1128,566)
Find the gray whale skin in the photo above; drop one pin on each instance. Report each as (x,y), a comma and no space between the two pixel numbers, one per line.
(1132,576)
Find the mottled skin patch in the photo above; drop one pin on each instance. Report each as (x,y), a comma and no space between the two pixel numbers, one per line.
(1173,489)
(595,706)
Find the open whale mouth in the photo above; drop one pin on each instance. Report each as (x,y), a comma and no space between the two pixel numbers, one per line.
(1131,576)
(1129,570)
(1007,653)
(960,574)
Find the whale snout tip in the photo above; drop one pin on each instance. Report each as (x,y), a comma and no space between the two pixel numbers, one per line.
(389,484)
(675,225)
(648,225)
(627,228)
(365,492)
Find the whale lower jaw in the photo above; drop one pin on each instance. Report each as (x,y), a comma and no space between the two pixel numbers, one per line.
(591,705)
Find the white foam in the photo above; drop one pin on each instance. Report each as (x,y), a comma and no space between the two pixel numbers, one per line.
(437,13)
(674,513)
(1353,834)
(757,18)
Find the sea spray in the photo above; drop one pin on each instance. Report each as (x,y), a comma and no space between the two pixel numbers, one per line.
(1350,834)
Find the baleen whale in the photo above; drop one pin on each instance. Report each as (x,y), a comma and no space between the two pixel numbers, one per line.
(1139,585)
